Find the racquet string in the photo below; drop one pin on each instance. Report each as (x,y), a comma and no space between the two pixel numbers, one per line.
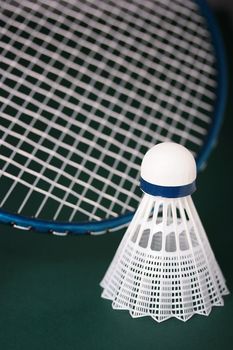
(87,88)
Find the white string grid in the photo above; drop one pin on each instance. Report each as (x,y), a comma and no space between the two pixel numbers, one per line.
(87,87)
(164,266)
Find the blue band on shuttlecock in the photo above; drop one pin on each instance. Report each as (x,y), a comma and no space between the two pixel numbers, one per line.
(167,191)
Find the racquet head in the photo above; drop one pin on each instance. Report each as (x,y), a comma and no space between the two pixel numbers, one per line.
(86,88)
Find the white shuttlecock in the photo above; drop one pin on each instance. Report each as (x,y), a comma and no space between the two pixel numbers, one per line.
(164,266)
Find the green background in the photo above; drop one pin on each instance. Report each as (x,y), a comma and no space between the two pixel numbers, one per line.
(49,286)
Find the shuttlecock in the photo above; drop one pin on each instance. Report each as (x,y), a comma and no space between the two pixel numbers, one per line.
(164,266)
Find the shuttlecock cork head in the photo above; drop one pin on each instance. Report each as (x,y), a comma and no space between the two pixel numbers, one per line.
(168,170)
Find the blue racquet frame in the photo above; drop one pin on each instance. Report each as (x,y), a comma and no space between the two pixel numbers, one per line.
(98,227)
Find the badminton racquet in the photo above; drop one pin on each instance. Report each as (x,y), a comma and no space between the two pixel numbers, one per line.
(87,87)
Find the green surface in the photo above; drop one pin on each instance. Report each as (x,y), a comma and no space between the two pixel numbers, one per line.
(49,286)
